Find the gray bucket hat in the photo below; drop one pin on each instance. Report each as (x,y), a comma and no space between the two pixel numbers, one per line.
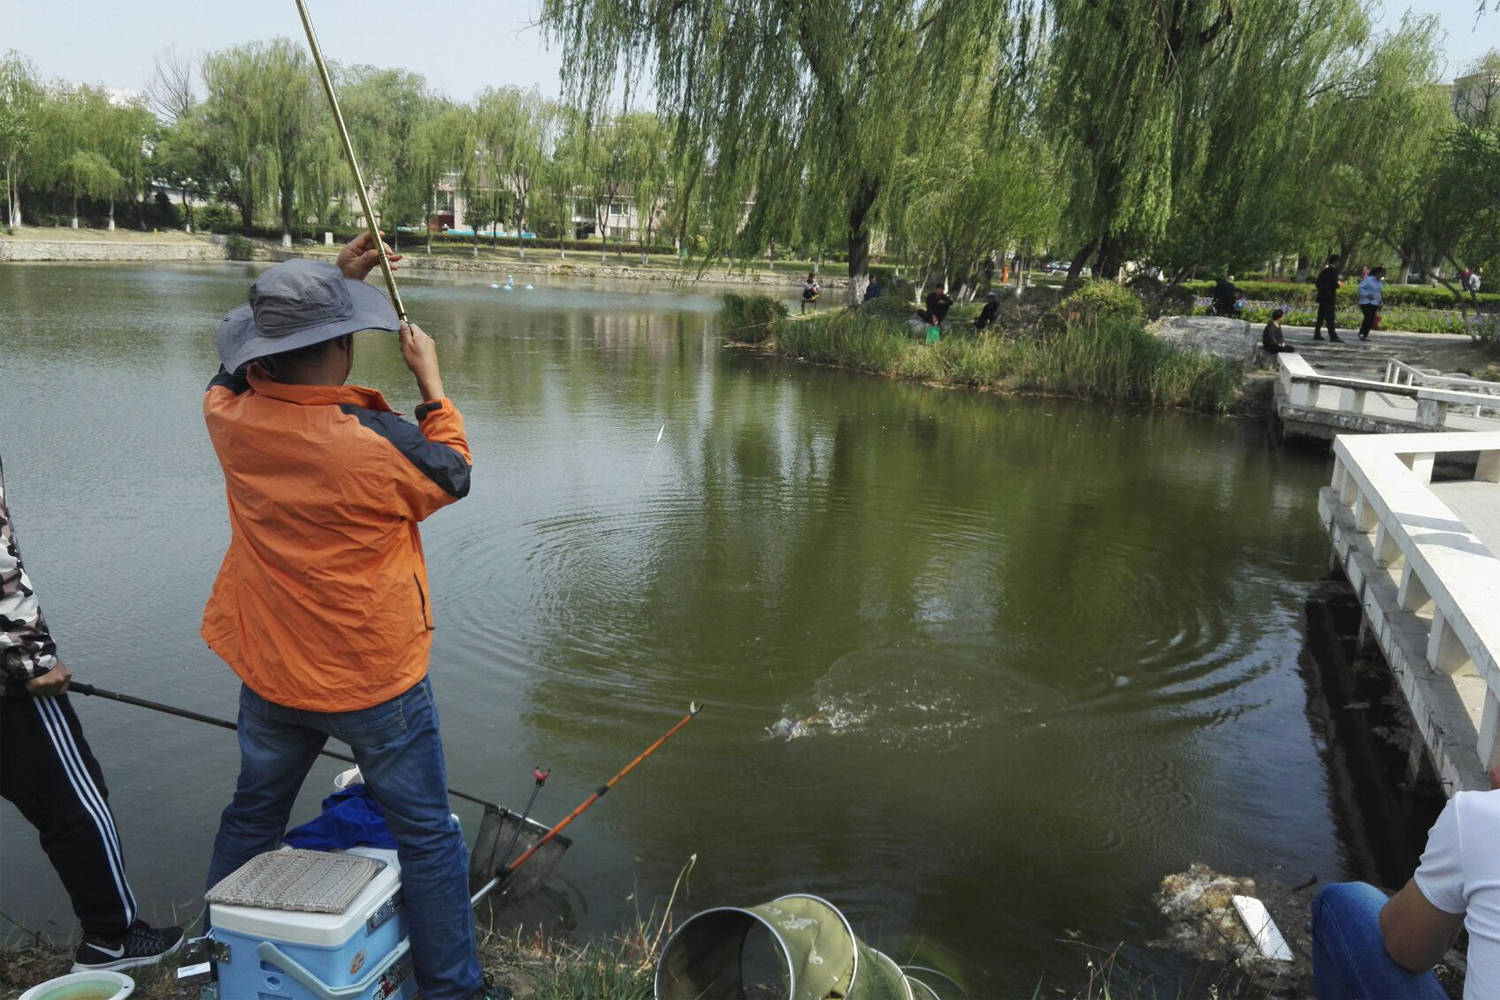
(296,304)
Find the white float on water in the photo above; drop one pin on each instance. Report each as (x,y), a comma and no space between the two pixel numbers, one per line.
(1262,928)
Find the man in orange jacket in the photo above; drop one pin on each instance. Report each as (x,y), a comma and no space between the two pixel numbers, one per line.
(321,605)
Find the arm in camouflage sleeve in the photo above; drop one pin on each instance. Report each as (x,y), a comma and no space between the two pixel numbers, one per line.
(26,647)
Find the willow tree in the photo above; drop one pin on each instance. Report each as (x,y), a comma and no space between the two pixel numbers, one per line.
(511,134)
(126,134)
(801,107)
(1136,87)
(20,97)
(442,150)
(269,122)
(646,175)
(382,108)
(72,125)
(1253,154)
(988,187)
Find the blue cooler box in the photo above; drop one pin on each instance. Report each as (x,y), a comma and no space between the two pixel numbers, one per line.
(360,954)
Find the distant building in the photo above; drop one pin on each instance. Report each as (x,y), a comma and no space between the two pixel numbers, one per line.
(1477,95)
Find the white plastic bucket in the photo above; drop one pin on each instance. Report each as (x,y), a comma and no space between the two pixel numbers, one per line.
(101,985)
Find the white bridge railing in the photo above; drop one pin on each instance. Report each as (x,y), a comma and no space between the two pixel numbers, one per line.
(1429,586)
(1401,373)
(1411,395)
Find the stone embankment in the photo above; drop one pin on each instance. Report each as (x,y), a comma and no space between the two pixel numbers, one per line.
(179,248)
(69,245)
(581,266)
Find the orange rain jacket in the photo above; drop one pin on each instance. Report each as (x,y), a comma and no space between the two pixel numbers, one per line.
(322,600)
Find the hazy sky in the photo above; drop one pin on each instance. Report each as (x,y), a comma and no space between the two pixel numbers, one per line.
(460,46)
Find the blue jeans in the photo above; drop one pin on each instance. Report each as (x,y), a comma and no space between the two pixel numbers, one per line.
(400,755)
(1349,957)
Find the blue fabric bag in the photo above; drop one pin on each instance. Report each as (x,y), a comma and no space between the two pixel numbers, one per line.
(350,818)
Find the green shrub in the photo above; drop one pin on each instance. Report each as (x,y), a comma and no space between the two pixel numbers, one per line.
(216,218)
(895,301)
(1097,301)
(748,318)
(239,248)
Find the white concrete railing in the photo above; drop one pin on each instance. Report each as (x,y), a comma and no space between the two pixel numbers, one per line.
(1429,586)
(1305,386)
(1401,373)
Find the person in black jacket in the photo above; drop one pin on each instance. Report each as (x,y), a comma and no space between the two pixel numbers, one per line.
(987,314)
(1225,296)
(1271,339)
(1328,283)
(938,304)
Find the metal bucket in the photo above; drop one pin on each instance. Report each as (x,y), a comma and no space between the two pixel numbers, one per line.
(811,954)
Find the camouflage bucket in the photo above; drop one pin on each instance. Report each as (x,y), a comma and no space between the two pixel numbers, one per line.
(811,954)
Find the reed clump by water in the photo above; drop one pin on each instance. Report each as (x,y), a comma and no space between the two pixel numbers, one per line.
(748,319)
(1108,358)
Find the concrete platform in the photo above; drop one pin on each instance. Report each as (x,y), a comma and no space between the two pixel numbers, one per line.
(1422,559)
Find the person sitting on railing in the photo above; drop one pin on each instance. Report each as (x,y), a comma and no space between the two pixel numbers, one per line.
(1365,945)
(1271,340)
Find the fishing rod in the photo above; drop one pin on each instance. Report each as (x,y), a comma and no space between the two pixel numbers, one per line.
(359,179)
(79,687)
(693,709)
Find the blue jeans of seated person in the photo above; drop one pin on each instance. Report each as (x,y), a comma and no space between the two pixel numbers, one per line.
(1349,957)
(400,755)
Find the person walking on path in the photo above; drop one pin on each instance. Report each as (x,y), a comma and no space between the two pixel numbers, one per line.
(321,606)
(49,772)
(1369,300)
(1328,284)
(1365,945)
(810,291)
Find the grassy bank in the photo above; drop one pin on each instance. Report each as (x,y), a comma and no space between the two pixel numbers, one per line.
(1111,358)
(530,966)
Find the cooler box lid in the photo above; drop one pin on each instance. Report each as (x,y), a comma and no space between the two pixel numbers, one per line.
(322,930)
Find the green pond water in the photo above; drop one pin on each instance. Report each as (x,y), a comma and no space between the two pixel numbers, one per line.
(979,670)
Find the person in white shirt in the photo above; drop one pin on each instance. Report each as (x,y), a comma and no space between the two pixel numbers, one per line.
(1367,946)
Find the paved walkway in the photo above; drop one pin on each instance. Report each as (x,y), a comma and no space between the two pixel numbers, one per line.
(1477,506)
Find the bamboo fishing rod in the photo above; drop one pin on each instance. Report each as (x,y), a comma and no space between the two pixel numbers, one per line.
(359,179)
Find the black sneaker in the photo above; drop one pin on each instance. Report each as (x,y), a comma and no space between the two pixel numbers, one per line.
(141,945)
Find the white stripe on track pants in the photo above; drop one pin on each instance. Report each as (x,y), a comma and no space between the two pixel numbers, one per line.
(47,770)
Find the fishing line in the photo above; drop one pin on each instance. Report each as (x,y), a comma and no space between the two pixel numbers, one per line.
(647,467)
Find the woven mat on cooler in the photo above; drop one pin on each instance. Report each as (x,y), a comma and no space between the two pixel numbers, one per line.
(310,881)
